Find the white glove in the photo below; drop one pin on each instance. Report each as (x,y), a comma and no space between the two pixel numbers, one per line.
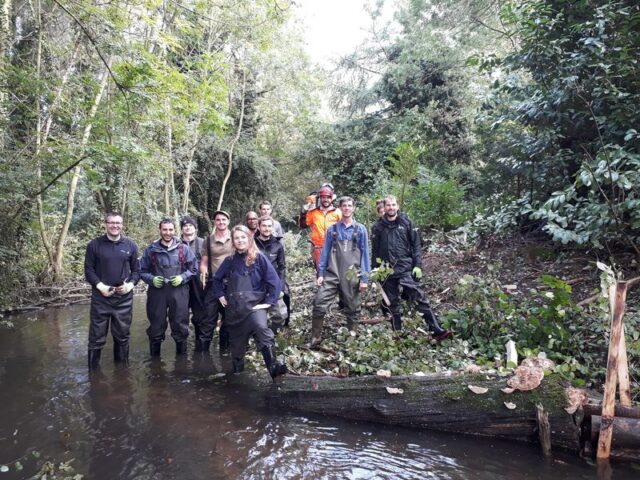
(125,288)
(105,290)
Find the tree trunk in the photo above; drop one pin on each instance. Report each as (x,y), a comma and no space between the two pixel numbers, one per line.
(435,402)
(73,184)
(5,41)
(186,190)
(234,141)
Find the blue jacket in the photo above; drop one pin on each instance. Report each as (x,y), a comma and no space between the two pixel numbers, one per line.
(263,276)
(168,257)
(344,232)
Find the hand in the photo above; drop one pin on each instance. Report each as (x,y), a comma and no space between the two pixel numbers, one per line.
(363,286)
(223,301)
(319,281)
(203,278)
(158,281)
(176,280)
(105,290)
(125,288)
(417,272)
(310,202)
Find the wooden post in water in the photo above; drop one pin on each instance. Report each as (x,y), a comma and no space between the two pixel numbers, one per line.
(616,373)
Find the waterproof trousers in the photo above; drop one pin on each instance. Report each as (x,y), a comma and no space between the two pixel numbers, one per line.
(403,286)
(254,325)
(170,303)
(115,310)
(340,279)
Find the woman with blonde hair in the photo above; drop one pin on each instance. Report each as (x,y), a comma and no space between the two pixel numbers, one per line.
(247,285)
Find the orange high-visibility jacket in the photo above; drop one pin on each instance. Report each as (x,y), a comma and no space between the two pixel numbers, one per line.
(319,222)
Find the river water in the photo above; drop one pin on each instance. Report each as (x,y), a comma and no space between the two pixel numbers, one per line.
(184,419)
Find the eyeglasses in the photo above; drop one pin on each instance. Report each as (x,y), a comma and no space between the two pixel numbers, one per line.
(114,223)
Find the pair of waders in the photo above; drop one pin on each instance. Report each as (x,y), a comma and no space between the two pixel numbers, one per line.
(117,310)
(243,322)
(403,286)
(340,277)
(168,301)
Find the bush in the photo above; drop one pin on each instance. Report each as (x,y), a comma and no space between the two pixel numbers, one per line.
(438,204)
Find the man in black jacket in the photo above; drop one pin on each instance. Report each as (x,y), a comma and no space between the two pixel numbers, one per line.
(111,267)
(395,240)
(271,246)
(189,236)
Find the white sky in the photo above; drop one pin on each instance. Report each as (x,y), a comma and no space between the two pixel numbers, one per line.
(332,27)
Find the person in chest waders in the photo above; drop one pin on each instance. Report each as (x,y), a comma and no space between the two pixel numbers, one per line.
(271,246)
(189,237)
(343,269)
(215,249)
(111,267)
(167,266)
(246,284)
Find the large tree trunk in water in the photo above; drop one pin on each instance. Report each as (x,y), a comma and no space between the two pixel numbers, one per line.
(437,402)
(73,184)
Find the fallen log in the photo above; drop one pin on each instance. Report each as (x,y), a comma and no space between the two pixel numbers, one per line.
(436,402)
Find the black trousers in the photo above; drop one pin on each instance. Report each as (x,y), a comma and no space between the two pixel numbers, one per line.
(170,303)
(255,325)
(115,310)
(405,287)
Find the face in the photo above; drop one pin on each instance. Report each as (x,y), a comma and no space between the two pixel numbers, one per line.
(325,201)
(188,229)
(252,221)
(380,209)
(221,222)
(265,210)
(347,209)
(113,226)
(266,228)
(240,241)
(391,208)
(167,231)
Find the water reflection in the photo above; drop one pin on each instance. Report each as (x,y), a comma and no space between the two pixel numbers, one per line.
(183,419)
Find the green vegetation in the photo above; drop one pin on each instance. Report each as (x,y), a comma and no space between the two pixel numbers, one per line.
(485,118)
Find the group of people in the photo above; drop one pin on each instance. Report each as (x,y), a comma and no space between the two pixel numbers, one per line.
(237,278)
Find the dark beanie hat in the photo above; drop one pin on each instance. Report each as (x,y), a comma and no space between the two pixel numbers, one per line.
(187,219)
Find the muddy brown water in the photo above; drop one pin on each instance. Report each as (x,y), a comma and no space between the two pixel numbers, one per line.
(181,419)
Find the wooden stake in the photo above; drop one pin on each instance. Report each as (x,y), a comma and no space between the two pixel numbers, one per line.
(544,429)
(617,295)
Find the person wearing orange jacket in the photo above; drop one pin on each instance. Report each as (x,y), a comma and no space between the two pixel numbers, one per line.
(319,218)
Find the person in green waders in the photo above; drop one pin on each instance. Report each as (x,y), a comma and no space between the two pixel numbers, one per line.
(343,269)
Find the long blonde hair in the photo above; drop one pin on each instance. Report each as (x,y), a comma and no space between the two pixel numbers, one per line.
(252,250)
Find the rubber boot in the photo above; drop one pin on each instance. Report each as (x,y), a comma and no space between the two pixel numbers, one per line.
(396,323)
(202,345)
(94,358)
(270,360)
(121,354)
(316,331)
(224,341)
(437,331)
(181,347)
(154,348)
(238,365)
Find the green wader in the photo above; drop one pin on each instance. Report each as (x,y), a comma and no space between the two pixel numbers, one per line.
(341,277)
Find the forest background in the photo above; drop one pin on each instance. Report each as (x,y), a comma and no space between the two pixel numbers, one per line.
(487,118)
